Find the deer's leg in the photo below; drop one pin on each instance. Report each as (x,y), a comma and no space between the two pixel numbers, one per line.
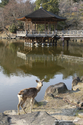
(20,101)
(25,105)
(31,103)
(23,108)
(18,108)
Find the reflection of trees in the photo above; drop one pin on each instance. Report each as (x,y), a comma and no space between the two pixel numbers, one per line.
(42,70)
(12,47)
(71,68)
(76,48)
(8,58)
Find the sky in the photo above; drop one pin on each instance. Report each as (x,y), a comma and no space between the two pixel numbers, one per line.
(32,0)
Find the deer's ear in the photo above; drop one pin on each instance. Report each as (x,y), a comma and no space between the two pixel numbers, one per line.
(37,81)
(42,80)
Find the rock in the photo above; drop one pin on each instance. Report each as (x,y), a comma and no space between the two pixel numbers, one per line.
(10,112)
(78,121)
(81,79)
(53,90)
(64,123)
(80,115)
(78,87)
(4,120)
(35,118)
(81,104)
(75,81)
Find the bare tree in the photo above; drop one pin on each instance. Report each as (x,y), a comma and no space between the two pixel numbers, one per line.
(16,9)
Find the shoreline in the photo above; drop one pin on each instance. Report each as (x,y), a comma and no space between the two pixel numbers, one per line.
(64,108)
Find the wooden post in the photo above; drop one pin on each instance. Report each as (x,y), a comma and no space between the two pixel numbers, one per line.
(48,28)
(45,27)
(35,25)
(32,28)
(67,43)
(53,42)
(25,25)
(56,42)
(55,27)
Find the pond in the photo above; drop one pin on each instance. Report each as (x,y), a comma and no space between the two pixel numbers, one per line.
(21,66)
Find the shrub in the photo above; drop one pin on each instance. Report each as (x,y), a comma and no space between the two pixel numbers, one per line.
(20,25)
(13,28)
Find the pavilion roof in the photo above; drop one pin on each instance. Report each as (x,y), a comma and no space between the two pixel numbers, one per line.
(40,15)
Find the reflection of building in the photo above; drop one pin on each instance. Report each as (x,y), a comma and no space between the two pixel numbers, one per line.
(35,57)
(38,64)
(30,58)
(68,58)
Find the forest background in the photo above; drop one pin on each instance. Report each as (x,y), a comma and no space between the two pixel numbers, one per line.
(10,10)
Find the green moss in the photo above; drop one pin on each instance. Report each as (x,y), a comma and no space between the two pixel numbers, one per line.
(78,111)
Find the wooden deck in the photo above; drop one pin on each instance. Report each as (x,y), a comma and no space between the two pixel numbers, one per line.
(35,34)
(71,33)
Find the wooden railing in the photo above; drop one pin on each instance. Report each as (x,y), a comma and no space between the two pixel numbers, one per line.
(36,33)
(21,33)
(65,33)
(71,33)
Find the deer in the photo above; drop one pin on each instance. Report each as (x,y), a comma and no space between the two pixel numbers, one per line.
(30,93)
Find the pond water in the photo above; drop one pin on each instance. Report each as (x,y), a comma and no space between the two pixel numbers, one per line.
(17,73)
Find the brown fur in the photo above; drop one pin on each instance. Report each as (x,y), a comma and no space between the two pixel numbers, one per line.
(29,93)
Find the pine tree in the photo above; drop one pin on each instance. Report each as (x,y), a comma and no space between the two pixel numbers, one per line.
(4,2)
(49,5)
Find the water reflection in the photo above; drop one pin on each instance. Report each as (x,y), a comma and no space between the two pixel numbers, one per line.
(20,66)
(40,64)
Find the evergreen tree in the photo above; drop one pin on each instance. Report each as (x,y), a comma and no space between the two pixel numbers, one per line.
(49,5)
(4,2)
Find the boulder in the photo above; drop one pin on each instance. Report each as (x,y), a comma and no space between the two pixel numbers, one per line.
(81,79)
(4,120)
(75,81)
(34,118)
(77,84)
(37,118)
(53,90)
(61,122)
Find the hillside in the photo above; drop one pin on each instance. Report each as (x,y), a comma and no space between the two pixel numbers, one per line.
(73,11)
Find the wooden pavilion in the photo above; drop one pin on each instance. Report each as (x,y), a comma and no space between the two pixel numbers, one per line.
(36,18)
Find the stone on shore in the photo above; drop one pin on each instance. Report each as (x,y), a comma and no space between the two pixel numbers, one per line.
(61,109)
(4,120)
(75,81)
(35,118)
(53,90)
(77,84)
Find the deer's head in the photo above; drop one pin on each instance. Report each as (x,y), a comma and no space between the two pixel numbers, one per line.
(40,83)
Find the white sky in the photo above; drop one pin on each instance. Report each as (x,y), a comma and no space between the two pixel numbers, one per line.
(32,0)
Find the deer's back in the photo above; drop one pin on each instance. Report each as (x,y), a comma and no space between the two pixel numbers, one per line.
(30,92)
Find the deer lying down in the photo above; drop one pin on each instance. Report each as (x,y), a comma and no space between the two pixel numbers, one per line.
(29,93)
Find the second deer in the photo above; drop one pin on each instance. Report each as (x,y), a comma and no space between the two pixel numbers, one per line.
(29,93)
